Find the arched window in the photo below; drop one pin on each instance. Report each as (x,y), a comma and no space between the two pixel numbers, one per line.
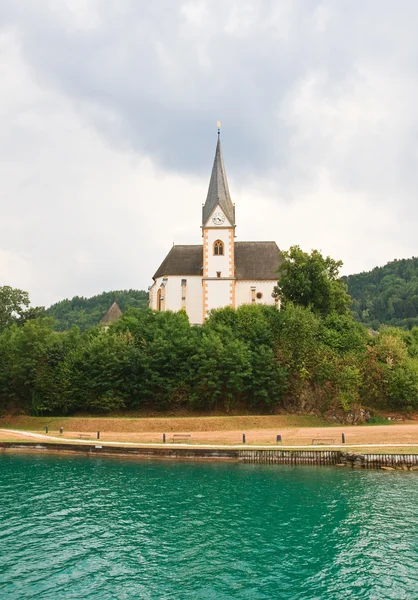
(218,248)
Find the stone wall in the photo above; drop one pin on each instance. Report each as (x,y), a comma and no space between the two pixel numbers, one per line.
(405,462)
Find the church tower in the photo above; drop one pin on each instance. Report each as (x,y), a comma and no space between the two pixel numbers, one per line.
(218,232)
(220,272)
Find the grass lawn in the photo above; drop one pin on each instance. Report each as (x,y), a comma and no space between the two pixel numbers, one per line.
(161,423)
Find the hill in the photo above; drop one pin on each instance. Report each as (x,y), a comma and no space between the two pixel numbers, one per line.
(386,295)
(86,312)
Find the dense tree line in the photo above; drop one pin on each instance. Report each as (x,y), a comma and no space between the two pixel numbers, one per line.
(311,355)
(255,358)
(386,295)
(87,312)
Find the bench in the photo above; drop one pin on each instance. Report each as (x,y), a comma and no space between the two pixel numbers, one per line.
(323,441)
(84,436)
(181,437)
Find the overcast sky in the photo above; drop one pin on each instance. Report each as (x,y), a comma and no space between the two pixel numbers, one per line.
(108,112)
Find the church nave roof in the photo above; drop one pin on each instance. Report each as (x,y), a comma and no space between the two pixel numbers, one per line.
(253,261)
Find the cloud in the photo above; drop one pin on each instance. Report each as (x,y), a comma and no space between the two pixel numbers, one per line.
(108,112)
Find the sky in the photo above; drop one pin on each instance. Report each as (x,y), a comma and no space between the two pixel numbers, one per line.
(108,112)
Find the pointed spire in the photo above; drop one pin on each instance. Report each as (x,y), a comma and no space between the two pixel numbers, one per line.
(218,192)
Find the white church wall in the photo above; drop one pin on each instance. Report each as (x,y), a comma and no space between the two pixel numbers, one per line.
(224,233)
(243,292)
(216,263)
(194,299)
(218,293)
(172,292)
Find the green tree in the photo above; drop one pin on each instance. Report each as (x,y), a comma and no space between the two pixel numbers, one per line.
(312,281)
(28,377)
(98,371)
(220,367)
(164,343)
(254,325)
(386,295)
(167,361)
(390,374)
(13,304)
(343,334)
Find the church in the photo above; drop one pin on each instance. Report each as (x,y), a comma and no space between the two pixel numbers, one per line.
(220,272)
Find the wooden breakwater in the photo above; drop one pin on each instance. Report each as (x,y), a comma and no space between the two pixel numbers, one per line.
(406,462)
(290,457)
(330,457)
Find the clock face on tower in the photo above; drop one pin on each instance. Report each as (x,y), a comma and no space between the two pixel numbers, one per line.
(218,218)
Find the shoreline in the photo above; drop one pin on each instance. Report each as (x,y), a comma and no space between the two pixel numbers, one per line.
(400,438)
(240,454)
(61,439)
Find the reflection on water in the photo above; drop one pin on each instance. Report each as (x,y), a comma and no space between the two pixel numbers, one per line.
(75,527)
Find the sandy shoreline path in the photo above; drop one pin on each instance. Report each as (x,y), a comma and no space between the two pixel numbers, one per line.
(358,436)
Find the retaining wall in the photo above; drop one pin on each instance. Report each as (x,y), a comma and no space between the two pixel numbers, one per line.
(283,457)
(379,461)
(291,457)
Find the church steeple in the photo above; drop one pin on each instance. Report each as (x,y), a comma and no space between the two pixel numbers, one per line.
(218,192)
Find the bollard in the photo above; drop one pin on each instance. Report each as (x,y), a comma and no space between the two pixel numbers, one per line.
(343,438)
(98,435)
(163,438)
(61,430)
(46,429)
(243,438)
(278,439)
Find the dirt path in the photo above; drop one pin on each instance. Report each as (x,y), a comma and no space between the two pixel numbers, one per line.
(374,434)
(361,436)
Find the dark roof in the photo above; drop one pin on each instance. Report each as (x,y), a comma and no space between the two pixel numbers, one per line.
(112,315)
(253,260)
(257,260)
(218,192)
(182,260)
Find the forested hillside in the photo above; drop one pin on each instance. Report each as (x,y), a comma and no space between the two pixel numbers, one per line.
(86,312)
(386,295)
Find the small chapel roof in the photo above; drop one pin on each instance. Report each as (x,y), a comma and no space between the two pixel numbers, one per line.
(112,315)
(218,192)
(253,261)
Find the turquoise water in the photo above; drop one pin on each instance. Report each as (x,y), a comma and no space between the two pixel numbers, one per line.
(74,527)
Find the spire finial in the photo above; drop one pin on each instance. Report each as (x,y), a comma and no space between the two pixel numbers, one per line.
(219,128)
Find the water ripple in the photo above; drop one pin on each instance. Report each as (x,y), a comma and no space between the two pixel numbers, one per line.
(73,527)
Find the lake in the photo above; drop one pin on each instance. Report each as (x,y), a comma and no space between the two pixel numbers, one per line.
(106,528)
